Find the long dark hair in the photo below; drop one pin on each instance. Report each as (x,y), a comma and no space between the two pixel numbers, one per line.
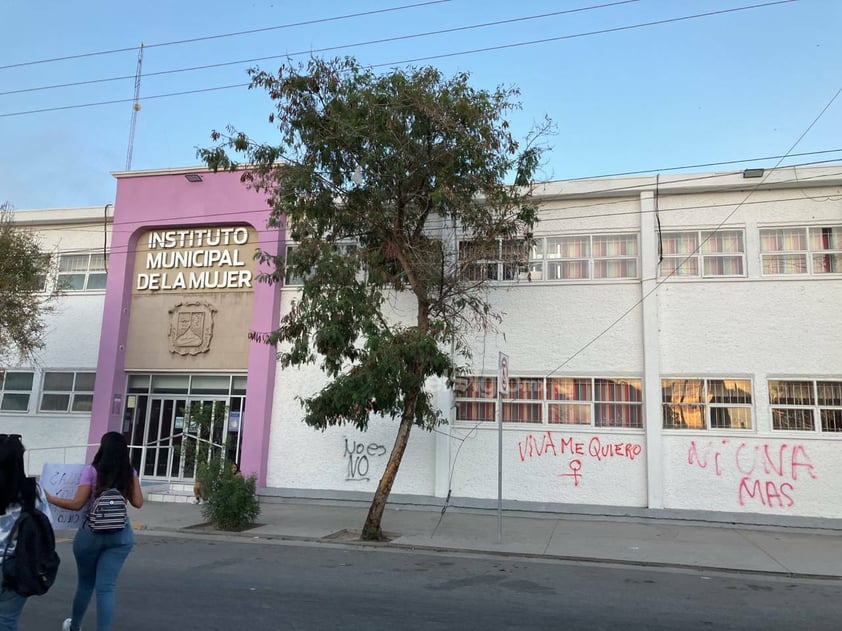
(112,464)
(15,487)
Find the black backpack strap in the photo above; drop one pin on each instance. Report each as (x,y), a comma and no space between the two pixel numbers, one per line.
(29,494)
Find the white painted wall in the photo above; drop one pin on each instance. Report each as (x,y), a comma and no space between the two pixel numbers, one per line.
(551,465)
(72,340)
(340,458)
(753,474)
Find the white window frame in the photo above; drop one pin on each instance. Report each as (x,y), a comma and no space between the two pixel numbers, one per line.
(805,257)
(79,395)
(705,404)
(694,264)
(499,267)
(95,268)
(15,392)
(814,406)
(547,259)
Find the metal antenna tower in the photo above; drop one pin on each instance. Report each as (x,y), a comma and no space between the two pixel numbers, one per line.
(135,108)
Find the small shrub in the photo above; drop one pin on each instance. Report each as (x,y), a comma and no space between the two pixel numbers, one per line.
(232,502)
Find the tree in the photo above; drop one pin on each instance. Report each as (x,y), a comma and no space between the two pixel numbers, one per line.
(23,305)
(373,177)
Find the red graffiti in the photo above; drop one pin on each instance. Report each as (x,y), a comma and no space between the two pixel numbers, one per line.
(545,444)
(575,467)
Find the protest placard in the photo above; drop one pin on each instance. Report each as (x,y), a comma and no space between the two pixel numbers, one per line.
(62,480)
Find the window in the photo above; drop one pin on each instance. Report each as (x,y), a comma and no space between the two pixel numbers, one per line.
(67,392)
(805,405)
(15,390)
(81,272)
(706,403)
(596,402)
(500,259)
(801,250)
(584,257)
(584,401)
(705,254)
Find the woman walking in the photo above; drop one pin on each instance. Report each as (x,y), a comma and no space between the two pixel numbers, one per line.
(100,556)
(16,491)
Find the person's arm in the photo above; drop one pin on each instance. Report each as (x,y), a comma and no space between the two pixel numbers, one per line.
(136,496)
(83,494)
(43,505)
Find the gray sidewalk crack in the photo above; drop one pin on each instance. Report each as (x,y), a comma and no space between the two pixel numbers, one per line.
(552,536)
(763,550)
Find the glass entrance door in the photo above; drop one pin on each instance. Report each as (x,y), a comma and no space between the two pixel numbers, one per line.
(161,421)
(177,432)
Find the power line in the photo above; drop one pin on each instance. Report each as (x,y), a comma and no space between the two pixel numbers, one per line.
(322,50)
(223,35)
(426,58)
(577,35)
(701,243)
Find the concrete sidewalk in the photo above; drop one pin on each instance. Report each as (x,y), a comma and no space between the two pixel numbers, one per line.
(773,550)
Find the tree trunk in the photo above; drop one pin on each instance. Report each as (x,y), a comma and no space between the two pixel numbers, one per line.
(371,529)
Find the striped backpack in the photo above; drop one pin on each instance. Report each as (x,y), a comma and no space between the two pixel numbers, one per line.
(108,513)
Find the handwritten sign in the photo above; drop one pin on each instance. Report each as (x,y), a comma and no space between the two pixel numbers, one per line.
(62,480)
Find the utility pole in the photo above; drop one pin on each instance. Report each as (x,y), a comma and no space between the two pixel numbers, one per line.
(135,108)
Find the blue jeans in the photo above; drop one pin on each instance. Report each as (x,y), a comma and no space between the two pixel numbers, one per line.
(11,604)
(99,558)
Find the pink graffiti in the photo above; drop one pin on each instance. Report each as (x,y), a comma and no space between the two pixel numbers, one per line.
(768,471)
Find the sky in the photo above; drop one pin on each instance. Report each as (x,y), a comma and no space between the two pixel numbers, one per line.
(624,94)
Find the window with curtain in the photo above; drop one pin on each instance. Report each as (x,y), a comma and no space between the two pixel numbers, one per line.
(15,390)
(582,401)
(806,405)
(703,254)
(81,272)
(584,257)
(706,403)
(801,250)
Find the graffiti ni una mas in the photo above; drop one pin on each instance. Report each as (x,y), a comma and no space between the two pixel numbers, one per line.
(578,450)
(768,473)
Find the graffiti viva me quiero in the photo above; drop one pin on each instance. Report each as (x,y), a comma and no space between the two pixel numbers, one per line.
(213,252)
(545,444)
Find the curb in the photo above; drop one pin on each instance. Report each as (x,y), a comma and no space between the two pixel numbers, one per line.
(334,541)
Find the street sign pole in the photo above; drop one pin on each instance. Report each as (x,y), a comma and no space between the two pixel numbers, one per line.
(502,388)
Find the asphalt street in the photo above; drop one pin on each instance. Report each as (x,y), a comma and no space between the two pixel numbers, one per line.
(195,583)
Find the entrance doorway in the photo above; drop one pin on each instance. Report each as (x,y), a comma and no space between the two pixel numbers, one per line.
(164,428)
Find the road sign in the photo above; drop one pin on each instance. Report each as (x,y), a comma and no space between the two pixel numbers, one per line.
(503,374)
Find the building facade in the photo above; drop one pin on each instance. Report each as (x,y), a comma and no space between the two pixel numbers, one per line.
(673,343)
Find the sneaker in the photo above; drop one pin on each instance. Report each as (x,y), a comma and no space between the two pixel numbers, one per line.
(66,625)
(196,500)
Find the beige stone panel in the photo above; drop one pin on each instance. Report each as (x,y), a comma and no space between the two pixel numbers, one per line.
(149,346)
